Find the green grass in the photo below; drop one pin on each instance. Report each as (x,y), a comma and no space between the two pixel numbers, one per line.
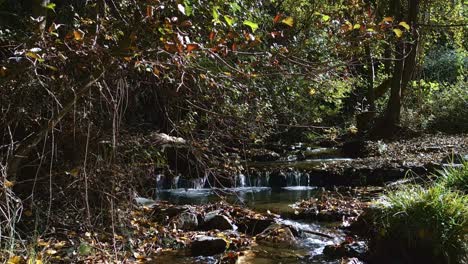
(423,225)
(455,178)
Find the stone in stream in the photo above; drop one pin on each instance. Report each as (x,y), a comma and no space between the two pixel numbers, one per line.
(277,235)
(214,220)
(207,246)
(353,250)
(186,221)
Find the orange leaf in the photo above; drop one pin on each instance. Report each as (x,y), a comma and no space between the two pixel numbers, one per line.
(78,35)
(277,18)
(212,35)
(192,47)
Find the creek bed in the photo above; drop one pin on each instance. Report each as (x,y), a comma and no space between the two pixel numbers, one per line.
(309,246)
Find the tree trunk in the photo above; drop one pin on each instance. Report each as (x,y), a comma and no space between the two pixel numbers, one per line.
(404,67)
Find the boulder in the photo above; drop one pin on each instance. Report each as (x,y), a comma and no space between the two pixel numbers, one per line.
(214,220)
(186,221)
(207,246)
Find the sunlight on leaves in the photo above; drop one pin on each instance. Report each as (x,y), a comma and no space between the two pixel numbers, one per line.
(404,24)
(252,25)
(288,21)
(398,32)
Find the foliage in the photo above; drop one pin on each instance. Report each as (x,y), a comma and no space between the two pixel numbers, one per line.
(438,107)
(423,225)
(445,65)
(455,178)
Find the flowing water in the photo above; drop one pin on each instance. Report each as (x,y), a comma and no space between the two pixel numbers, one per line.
(254,192)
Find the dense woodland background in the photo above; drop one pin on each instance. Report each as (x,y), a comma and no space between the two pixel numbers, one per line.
(86,88)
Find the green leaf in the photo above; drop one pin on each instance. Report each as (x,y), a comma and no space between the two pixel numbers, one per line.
(325,18)
(215,13)
(252,25)
(235,7)
(50,6)
(229,20)
(288,21)
(188,8)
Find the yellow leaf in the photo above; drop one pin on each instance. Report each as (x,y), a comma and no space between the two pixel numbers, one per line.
(312,91)
(398,32)
(78,35)
(288,21)
(357,26)
(28,213)
(404,24)
(15,260)
(8,184)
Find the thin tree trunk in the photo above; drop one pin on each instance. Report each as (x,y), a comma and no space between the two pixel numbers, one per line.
(39,11)
(404,67)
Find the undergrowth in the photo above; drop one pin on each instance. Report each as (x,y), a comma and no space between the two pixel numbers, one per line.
(425,224)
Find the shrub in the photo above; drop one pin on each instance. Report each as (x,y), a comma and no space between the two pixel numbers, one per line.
(421,225)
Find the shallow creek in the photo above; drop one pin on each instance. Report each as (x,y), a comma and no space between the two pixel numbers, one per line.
(253,193)
(262,199)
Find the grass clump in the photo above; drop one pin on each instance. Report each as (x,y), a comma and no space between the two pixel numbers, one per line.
(455,178)
(423,225)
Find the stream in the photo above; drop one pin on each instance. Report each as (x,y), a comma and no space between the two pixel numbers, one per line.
(255,192)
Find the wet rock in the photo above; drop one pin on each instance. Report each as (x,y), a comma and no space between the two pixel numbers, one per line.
(186,221)
(354,250)
(277,234)
(254,226)
(207,246)
(214,220)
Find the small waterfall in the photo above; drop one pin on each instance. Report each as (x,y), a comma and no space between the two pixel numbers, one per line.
(160,179)
(241,180)
(175,181)
(198,183)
